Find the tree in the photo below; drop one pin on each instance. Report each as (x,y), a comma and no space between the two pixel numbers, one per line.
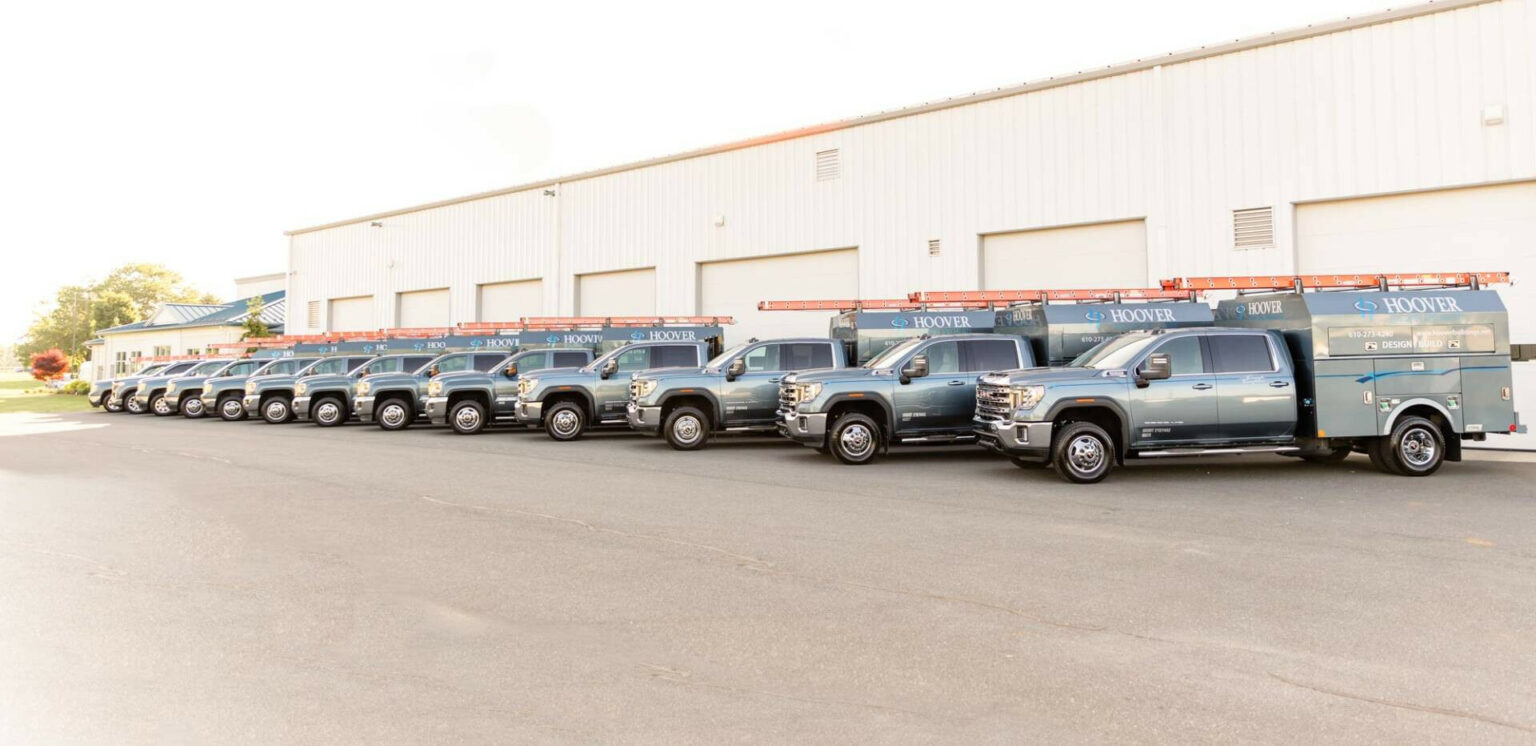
(49,365)
(129,293)
(254,326)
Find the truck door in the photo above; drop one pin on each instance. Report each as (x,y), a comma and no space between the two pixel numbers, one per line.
(1256,398)
(754,395)
(504,389)
(1180,409)
(925,403)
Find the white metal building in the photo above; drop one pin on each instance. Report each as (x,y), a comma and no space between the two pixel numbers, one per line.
(1402,141)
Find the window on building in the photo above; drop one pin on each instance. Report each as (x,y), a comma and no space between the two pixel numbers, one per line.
(120,364)
(312,314)
(162,350)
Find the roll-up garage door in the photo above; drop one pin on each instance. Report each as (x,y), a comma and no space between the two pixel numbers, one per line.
(510,301)
(733,288)
(1083,256)
(421,308)
(627,293)
(352,314)
(1487,228)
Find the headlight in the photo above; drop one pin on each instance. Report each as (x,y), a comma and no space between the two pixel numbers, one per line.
(644,388)
(1026,397)
(361,388)
(809,391)
(526,386)
(207,384)
(435,388)
(300,389)
(250,387)
(169,387)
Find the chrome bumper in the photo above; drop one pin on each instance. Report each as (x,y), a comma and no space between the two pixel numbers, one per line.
(362,406)
(436,409)
(530,412)
(252,404)
(1030,441)
(806,429)
(644,419)
(300,405)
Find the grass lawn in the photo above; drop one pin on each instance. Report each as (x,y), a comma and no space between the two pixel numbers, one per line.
(19,393)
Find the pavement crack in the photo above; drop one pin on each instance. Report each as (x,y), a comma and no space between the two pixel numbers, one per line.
(1405,705)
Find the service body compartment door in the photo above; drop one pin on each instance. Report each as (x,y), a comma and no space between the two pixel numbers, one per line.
(1484,382)
(1400,380)
(1346,398)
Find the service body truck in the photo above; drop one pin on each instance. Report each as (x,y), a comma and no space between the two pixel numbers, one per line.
(222,394)
(395,400)
(1400,375)
(270,397)
(101,391)
(470,400)
(566,402)
(326,396)
(184,394)
(156,393)
(126,391)
(738,391)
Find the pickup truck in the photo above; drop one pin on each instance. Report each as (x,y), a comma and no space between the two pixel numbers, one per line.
(184,394)
(125,391)
(153,391)
(326,397)
(738,391)
(470,400)
(919,391)
(271,396)
(222,393)
(1402,377)
(101,391)
(394,400)
(566,402)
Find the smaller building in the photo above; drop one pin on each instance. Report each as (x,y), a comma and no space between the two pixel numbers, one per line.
(185,329)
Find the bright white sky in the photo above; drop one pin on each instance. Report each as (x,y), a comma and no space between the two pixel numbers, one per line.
(194,134)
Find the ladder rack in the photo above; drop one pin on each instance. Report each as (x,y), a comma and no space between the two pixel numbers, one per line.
(851,304)
(1006,297)
(1382,282)
(569,322)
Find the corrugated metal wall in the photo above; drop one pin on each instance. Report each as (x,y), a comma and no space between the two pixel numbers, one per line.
(1390,107)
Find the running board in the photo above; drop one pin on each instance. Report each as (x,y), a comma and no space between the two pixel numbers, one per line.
(1216,451)
(938,439)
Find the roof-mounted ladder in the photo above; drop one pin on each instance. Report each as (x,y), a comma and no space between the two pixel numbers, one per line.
(1009,297)
(839,305)
(1383,282)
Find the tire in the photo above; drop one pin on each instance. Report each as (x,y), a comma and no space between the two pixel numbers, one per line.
(277,410)
(1333,456)
(328,412)
(1083,453)
(231,409)
(467,417)
(565,421)
(1376,450)
(855,439)
(1416,447)
(109,406)
(686,429)
(105,397)
(193,408)
(160,406)
(394,414)
(131,406)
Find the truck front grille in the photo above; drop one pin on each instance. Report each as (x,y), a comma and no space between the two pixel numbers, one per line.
(634,391)
(789,395)
(993,400)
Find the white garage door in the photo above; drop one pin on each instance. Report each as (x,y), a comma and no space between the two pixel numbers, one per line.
(1102,255)
(733,288)
(628,293)
(1490,228)
(423,308)
(510,301)
(352,314)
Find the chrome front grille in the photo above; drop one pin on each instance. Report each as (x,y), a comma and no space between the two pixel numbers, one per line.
(789,396)
(993,400)
(634,391)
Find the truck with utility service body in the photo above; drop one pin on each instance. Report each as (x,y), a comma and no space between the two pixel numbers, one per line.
(156,393)
(326,396)
(125,392)
(222,394)
(101,391)
(471,400)
(184,393)
(396,400)
(270,397)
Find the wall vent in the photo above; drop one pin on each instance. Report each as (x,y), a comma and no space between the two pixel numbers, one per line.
(934,247)
(828,165)
(313,314)
(1253,228)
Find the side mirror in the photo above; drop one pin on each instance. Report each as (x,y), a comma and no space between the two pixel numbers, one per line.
(510,371)
(1157,368)
(610,367)
(917,367)
(738,367)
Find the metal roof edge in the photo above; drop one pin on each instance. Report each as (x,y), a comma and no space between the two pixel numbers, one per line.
(1347,23)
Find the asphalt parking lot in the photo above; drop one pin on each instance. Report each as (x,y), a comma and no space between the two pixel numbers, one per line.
(174,580)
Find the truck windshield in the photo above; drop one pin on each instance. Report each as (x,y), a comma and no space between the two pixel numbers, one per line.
(598,363)
(1114,353)
(208,368)
(149,370)
(720,359)
(888,358)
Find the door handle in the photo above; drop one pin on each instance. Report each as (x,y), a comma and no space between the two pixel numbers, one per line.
(1203,386)
(956,383)
(1279,384)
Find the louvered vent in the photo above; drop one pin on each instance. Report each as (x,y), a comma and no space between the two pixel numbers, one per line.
(313,315)
(828,165)
(1253,229)
(934,247)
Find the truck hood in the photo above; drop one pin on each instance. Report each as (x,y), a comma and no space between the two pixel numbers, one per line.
(824,375)
(386,379)
(127,381)
(219,380)
(457,376)
(267,382)
(1044,376)
(327,380)
(181,381)
(564,374)
(657,374)
(154,382)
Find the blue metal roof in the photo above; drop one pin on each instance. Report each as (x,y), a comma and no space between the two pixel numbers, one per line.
(232,313)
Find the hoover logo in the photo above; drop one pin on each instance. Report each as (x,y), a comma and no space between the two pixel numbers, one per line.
(1260,308)
(900,323)
(637,336)
(1094,316)
(1140,315)
(667,335)
(941,322)
(1365,306)
(367,348)
(552,339)
(1431,304)
(419,346)
(507,342)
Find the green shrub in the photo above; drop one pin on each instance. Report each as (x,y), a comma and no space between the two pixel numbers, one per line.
(76,387)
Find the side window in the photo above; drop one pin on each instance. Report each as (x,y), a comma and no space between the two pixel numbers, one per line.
(533,361)
(570,359)
(763,359)
(985,355)
(486,362)
(1240,353)
(671,356)
(636,359)
(1184,353)
(412,363)
(943,358)
(451,364)
(805,356)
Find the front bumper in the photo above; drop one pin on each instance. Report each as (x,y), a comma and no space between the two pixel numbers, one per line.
(142,400)
(806,429)
(362,406)
(210,400)
(530,412)
(643,419)
(1030,441)
(252,404)
(300,406)
(436,409)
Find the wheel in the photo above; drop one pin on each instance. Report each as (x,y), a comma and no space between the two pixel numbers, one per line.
(131,405)
(687,429)
(160,405)
(395,414)
(105,397)
(855,439)
(1376,450)
(565,421)
(467,417)
(276,410)
(1083,453)
(193,408)
(1416,448)
(109,406)
(328,412)
(230,409)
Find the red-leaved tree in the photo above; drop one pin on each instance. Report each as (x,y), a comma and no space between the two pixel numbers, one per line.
(49,365)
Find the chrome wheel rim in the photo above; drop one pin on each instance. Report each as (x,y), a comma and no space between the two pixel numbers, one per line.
(277,410)
(328,412)
(161,406)
(1418,448)
(1085,453)
(194,406)
(232,408)
(857,440)
(110,407)
(467,418)
(565,422)
(133,406)
(687,428)
(392,415)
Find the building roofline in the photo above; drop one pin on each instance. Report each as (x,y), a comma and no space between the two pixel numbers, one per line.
(1146,63)
(259,278)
